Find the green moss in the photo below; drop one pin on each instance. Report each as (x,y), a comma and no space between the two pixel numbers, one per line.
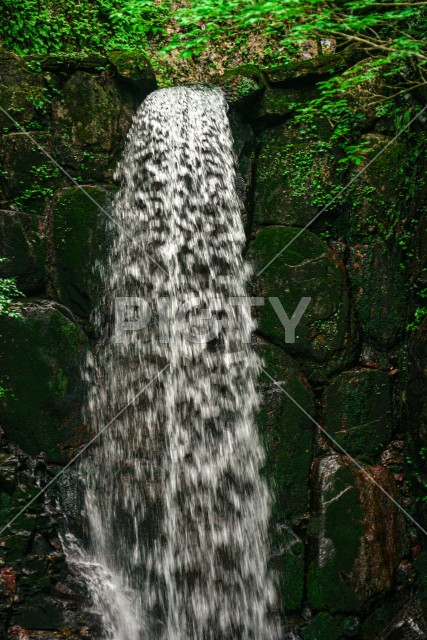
(79,241)
(41,356)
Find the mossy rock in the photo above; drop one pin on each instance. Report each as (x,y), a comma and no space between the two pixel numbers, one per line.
(322,67)
(90,120)
(297,173)
(304,268)
(327,627)
(19,90)
(383,196)
(380,293)
(358,411)
(287,435)
(242,86)
(79,243)
(41,354)
(353,561)
(23,245)
(26,171)
(278,104)
(134,67)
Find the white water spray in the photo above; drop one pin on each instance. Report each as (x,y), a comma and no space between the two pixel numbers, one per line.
(177,511)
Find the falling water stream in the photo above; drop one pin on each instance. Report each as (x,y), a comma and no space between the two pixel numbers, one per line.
(177,511)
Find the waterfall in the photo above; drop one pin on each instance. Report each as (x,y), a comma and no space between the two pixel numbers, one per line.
(177,512)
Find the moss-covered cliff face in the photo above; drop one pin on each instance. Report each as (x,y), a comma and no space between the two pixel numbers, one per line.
(349,564)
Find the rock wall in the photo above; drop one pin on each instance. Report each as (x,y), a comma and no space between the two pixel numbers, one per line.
(348,562)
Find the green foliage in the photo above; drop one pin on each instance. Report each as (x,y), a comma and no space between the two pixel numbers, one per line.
(56,26)
(8,305)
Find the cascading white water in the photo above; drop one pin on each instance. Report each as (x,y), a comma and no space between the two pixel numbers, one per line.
(177,510)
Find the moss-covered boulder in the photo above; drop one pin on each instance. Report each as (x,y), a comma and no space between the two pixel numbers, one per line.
(20,89)
(304,268)
(414,397)
(134,68)
(26,172)
(321,67)
(278,104)
(242,86)
(22,243)
(297,173)
(354,559)
(380,293)
(41,354)
(90,121)
(287,434)
(79,235)
(383,197)
(327,627)
(358,411)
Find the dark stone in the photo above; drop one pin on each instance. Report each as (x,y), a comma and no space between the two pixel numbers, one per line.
(306,268)
(23,164)
(360,536)
(242,86)
(41,354)
(134,68)
(287,434)
(327,627)
(295,175)
(414,414)
(22,243)
(322,67)
(380,293)
(41,613)
(19,90)
(358,411)
(278,104)
(91,118)
(79,227)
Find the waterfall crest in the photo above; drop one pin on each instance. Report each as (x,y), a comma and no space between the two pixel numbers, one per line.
(177,512)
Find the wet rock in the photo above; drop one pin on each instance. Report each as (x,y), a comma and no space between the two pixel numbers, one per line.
(41,353)
(306,268)
(79,228)
(324,626)
(296,174)
(311,71)
(242,86)
(90,121)
(380,293)
(358,411)
(361,537)
(414,412)
(134,68)
(42,613)
(24,165)
(287,434)
(19,89)
(278,104)
(22,243)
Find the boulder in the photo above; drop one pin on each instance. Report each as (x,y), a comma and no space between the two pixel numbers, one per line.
(79,238)
(360,536)
(278,104)
(41,355)
(380,293)
(242,86)
(306,268)
(91,118)
(357,411)
(287,434)
(297,173)
(133,67)
(22,243)
(19,90)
